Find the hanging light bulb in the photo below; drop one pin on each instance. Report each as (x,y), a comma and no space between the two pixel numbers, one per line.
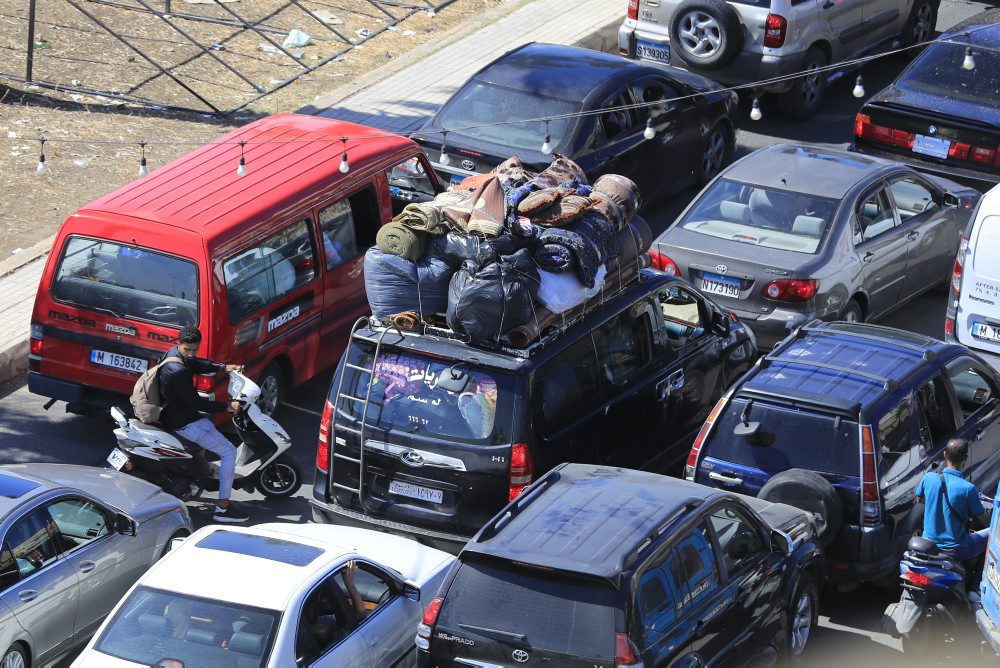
(41,169)
(143,169)
(859,87)
(547,143)
(649,132)
(969,63)
(445,159)
(344,165)
(755,113)
(241,170)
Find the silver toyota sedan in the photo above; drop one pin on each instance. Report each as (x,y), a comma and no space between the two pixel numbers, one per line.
(791,232)
(75,538)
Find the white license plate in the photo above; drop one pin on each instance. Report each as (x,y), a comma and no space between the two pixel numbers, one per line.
(993,576)
(659,53)
(116,361)
(117,459)
(981,330)
(720,285)
(416,491)
(932,146)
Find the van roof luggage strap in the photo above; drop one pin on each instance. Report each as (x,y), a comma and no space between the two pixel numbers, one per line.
(365,402)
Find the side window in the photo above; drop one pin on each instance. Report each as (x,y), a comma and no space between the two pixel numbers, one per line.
(31,542)
(912,198)
(568,386)
(617,119)
(656,97)
(973,390)
(683,315)
(625,345)
(661,595)
(9,573)
(409,182)
(336,227)
(365,588)
(79,521)
(737,536)
(325,621)
(933,402)
(874,217)
(261,275)
(696,560)
(894,441)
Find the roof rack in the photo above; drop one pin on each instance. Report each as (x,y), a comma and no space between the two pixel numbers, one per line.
(888,384)
(927,353)
(836,404)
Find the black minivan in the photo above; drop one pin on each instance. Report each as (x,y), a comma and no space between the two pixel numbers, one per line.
(452,432)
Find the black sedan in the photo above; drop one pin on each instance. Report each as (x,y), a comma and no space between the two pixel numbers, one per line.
(942,114)
(595,108)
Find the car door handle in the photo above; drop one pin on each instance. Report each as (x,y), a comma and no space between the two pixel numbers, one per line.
(87,566)
(868,256)
(828,4)
(28,595)
(725,479)
(912,234)
(979,434)
(699,629)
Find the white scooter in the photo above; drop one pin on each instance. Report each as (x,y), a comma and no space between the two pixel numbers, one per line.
(180,467)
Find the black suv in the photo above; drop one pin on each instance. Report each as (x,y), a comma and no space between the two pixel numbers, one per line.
(844,419)
(600,566)
(452,431)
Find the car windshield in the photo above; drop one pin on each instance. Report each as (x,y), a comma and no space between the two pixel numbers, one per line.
(426,395)
(154,625)
(938,71)
(490,113)
(760,216)
(787,438)
(127,281)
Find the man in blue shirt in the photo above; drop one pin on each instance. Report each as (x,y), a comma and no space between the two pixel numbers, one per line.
(950,502)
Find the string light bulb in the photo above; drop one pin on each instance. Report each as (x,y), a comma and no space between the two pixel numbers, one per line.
(969,63)
(344,165)
(649,132)
(859,87)
(547,143)
(41,169)
(755,112)
(445,159)
(241,170)
(143,169)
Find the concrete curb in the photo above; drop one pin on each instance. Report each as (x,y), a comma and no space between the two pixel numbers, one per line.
(28,255)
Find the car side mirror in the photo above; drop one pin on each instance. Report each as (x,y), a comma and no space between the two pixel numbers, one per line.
(781,542)
(411,590)
(950,199)
(721,323)
(125,525)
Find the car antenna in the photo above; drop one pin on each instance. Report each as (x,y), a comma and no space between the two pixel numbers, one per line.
(745,415)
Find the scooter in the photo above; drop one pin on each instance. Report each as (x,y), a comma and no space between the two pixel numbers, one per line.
(180,467)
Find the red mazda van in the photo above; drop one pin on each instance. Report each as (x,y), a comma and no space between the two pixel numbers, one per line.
(268,265)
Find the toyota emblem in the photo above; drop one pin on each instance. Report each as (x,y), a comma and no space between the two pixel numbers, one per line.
(932,130)
(519,655)
(412,458)
(721,268)
(468,164)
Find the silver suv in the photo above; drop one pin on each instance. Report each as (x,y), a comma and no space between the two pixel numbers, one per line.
(749,41)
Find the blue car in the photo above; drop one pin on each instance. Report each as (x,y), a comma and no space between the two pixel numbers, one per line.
(988,612)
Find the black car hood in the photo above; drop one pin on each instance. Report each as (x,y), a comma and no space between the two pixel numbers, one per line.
(918,101)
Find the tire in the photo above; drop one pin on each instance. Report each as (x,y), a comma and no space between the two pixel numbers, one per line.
(920,25)
(272,389)
(918,641)
(706,34)
(281,478)
(716,154)
(15,657)
(806,95)
(803,616)
(853,312)
(811,492)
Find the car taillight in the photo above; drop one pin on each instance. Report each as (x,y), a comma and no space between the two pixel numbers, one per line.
(521,470)
(204,383)
(865,129)
(323,443)
(426,626)
(633,10)
(956,273)
(626,653)
(949,326)
(791,289)
(36,339)
(663,263)
(775,28)
(871,511)
(918,579)
(692,460)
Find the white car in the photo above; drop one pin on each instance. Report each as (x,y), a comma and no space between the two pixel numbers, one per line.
(274,595)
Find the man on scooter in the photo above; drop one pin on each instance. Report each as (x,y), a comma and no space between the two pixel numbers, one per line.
(183,409)
(950,503)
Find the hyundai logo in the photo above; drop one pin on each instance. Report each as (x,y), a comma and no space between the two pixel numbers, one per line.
(412,458)
(932,130)
(519,655)
(468,164)
(721,268)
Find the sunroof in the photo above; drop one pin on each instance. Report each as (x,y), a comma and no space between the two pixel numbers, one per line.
(264,547)
(14,487)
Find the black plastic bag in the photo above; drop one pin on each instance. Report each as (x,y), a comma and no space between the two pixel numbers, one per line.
(485,301)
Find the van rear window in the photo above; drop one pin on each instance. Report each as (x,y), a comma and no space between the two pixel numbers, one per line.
(127,281)
(422,395)
(788,438)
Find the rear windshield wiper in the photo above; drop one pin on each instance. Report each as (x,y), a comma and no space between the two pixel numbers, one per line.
(483,629)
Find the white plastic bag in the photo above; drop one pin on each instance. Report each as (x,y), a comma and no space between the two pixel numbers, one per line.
(296,38)
(561,292)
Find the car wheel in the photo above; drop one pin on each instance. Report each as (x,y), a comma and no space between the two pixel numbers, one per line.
(920,25)
(806,95)
(852,312)
(16,657)
(803,614)
(811,492)
(272,389)
(718,151)
(280,478)
(706,34)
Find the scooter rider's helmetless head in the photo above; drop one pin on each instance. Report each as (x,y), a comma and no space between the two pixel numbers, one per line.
(188,342)
(956,453)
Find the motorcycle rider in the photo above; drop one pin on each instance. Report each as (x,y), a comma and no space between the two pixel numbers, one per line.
(950,503)
(182,413)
